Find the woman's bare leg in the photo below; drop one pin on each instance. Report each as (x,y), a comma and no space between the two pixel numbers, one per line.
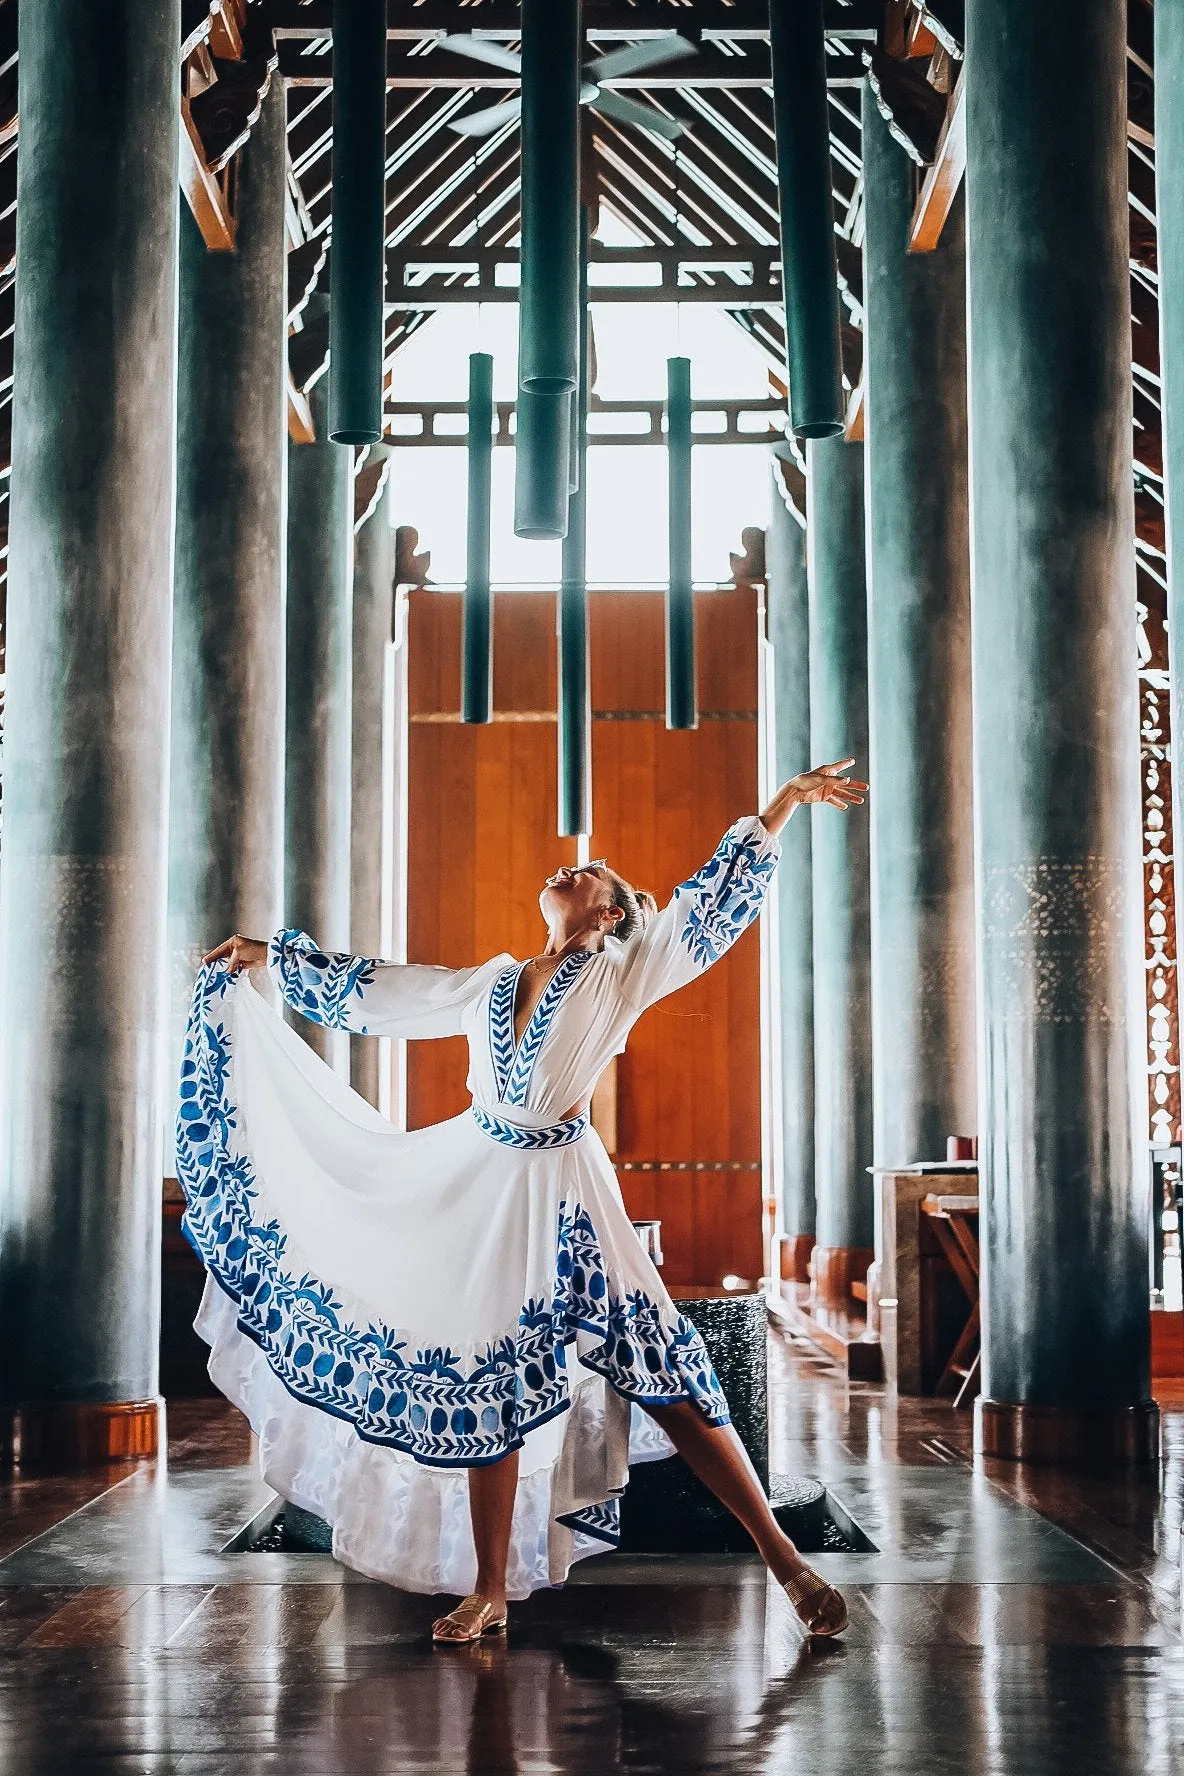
(716,1454)
(492,1489)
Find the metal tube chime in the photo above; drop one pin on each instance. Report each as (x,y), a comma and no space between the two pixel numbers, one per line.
(542,464)
(682,705)
(575,710)
(359,222)
(477,642)
(548,302)
(809,269)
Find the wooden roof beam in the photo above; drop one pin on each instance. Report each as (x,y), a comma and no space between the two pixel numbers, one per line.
(205,193)
(943,178)
(737,21)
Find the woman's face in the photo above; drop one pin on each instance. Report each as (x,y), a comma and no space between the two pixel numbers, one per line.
(577,894)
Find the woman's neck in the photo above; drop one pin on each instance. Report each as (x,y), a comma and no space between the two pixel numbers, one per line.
(561,942)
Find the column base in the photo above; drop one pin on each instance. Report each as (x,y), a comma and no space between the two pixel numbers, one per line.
(1115,1436)
(833,1271)
(84,1434)
(795,1257)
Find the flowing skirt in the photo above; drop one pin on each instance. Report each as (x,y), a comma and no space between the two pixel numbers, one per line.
(389,1309)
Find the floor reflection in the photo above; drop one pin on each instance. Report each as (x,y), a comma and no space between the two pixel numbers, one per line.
(1012,1623)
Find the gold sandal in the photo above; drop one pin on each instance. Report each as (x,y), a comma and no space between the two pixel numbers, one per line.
(808,1588)
(473,1617)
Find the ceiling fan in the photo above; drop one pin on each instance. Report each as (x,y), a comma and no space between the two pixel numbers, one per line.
(618,62)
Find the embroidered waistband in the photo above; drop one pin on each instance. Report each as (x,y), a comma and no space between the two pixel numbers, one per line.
(560,1134)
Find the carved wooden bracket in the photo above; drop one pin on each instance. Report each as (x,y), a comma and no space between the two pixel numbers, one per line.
(371,474)
(411,564)
(226,112)
(305,265)
(748,569)
(909,105)
(790,482)
(308,351)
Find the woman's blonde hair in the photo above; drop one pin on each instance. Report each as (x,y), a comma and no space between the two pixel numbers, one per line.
(636,906)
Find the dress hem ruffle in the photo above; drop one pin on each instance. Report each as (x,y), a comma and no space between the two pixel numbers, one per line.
(403,1522)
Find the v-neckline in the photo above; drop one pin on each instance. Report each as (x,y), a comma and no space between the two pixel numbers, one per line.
(521,970)
(513,1060)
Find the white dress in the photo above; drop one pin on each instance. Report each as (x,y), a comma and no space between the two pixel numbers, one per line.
(389,1308)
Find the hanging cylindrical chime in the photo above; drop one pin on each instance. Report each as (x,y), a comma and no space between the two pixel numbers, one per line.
(682,709)
(359,222)
(542,464)
(548,297)
(575,709)
(477,635)
(809,270)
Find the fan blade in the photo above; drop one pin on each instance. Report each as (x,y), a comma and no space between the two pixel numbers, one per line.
(638,56)
(480,49)
(616,105)
(483,123)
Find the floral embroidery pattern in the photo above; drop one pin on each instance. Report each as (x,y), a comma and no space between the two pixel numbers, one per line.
(318,986)
(442,1407)
(727,893)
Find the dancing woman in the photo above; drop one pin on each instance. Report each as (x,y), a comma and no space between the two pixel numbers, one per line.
(441,1338)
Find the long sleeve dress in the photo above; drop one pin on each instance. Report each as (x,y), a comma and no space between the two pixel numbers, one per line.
(390,1308)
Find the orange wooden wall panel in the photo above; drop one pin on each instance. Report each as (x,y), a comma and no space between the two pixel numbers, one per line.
(482,838)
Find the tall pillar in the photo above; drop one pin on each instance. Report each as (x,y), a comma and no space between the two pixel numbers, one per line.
(227,774)
(86,727)
(370,817)
(839,843)
(317,784)
(789,621)
(919,754)
(1169,174)
(1063,1109)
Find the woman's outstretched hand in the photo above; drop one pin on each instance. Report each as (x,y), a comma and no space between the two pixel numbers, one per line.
(825,785)
(239,952)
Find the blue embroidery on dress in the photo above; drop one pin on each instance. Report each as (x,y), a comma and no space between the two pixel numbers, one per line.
(501,1024)
(726,895)
(509,1134)
(535,1033)
(319,985)
(441,1408)
(513,1065)
(601,1521)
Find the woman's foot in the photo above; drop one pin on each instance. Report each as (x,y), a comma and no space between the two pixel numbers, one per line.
(476,1616)
(820,1608)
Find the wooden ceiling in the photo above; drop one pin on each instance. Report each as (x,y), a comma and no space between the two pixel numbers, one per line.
(715,195)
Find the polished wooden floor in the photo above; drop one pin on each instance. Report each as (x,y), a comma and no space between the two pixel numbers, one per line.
(1012,1622)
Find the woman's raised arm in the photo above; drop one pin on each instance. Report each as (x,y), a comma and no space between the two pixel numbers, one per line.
(825,784)
(709,911)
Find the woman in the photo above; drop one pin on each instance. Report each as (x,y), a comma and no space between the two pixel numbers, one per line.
(438,1337)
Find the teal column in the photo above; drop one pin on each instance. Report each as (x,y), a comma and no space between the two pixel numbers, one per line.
(370,817)
(789,633)
(227,778)
(1063,1146)
(918,552)
(840,843)
(1169,172)
(317,780)
(682,690)
(86,726)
